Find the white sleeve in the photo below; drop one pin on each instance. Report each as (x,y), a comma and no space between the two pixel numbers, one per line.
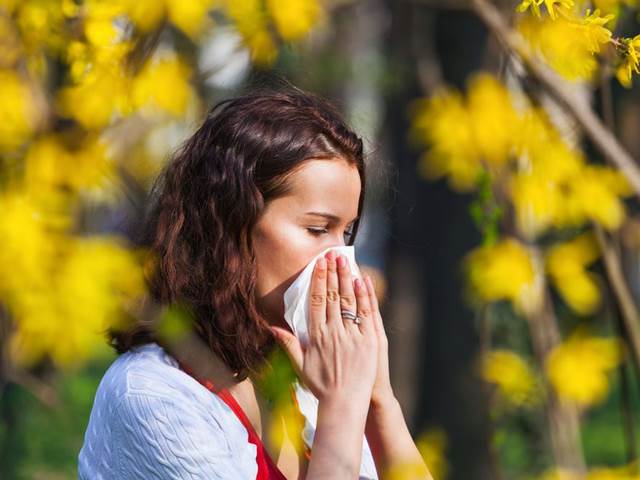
(159,438)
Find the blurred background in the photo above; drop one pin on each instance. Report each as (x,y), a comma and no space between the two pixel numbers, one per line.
(501,224)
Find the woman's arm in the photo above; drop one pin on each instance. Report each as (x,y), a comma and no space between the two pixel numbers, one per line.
(336,365)
(337,444)
(390,440)
(386,430)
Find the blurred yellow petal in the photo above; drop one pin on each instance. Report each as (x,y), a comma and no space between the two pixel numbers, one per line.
(294,18)
(578,367)
(97,99)
(512,376)
(17,110)
(566,264)
(443,123)
(191,17)
(493,118)
(506,271)
(163,85)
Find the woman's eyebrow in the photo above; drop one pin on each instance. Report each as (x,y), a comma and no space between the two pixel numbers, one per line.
(329,216)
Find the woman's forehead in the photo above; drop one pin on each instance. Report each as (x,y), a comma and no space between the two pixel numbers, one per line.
(322,185)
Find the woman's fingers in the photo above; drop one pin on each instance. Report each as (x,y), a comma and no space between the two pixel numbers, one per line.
(334,318)
(364,306)
(318,298)
(375,307)
(347,294)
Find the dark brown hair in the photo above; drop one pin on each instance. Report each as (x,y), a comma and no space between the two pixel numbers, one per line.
(208,198)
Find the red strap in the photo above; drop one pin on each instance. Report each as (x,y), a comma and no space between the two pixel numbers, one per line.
(267,470)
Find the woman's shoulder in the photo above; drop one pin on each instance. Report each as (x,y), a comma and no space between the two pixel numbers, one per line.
(147,412)
(144,370)
(148,371)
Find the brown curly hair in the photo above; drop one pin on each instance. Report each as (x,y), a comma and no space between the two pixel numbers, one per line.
(206,201)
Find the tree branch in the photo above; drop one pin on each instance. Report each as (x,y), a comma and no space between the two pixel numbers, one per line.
(599,134)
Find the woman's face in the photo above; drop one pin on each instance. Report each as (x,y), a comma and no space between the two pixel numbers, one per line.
(289,234)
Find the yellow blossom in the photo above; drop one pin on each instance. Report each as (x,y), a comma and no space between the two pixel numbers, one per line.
(596,195)
(163,85)
(493,119)
(96,280)
(52,164)
(99,97)
(506,271)
(431,444)
(41,24)
(630,62)
(512,376)
(294,18)
(17,110)
(568,43)
(27,247)
(566,264)
(578,367)
(443,122)
(551,5)
(286,427)
(251,20)
(191,17)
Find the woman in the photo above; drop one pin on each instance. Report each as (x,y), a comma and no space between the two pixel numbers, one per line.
(269,181)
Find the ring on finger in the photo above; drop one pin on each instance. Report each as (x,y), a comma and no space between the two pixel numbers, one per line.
(351,316)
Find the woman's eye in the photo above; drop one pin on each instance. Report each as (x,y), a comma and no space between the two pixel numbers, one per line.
(322,231)
(316,231)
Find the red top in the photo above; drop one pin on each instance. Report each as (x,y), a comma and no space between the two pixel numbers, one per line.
(267,470)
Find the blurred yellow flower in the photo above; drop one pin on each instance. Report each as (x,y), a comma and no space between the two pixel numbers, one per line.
(17,109)
(511,374)
(540,186)
(163,85)
(566,264)
(595,195)
(555,187)
(494,121)
(629,64)
(27,246)
(294,18)
(578,367)
(432,444)
(52,164)
(191,17)
(443,122)
(88,292)
(552,6)
(251,21)
(99,97)
(286,426)
(569,42)
(506,270)
(41,24)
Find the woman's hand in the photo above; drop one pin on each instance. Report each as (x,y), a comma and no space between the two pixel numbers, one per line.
(340,358)
(382,392)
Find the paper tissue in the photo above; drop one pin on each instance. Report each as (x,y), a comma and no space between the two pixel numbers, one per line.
(296,314)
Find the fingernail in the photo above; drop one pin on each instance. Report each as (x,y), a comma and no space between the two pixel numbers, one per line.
(358,284)
(331,256)
(342,261)
(322,263)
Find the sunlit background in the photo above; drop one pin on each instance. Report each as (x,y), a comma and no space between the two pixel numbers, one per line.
(502,223)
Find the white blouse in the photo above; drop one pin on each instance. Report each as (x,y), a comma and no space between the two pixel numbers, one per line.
(151,420)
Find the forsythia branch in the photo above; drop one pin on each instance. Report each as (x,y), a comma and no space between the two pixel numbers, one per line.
(601,136)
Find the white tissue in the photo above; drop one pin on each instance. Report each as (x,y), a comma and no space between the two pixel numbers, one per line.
(296,314)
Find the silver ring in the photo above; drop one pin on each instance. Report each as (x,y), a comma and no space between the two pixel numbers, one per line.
(351,316)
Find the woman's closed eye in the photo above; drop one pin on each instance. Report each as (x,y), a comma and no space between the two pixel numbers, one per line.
(321,231)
